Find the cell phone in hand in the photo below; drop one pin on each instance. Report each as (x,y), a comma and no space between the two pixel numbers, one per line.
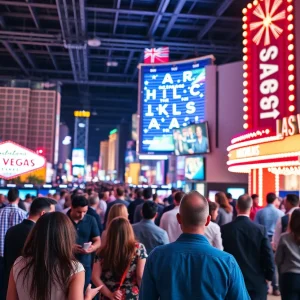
(87,245)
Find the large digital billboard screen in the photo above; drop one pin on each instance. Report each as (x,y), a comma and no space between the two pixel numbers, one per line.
(171,96)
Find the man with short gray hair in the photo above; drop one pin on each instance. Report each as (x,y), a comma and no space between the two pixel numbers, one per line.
(190,268)
(249,244)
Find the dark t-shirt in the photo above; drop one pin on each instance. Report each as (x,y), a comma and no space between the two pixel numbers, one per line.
(86,229)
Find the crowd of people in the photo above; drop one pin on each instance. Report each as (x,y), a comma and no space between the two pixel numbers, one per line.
(133,246)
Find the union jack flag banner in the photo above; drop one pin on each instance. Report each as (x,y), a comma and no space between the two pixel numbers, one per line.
(156,55)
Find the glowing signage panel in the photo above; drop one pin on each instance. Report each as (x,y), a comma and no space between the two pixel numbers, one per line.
(78,157)
(16,160)
(269,69)
(171,96)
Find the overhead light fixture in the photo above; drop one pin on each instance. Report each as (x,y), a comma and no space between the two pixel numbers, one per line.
(112,64)
(94,42)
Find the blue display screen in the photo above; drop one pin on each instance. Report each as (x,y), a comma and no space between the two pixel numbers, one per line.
(194,168)
(172,96)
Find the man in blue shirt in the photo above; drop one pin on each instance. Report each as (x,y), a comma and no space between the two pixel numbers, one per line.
(191,268)
(268,217)
(146,232)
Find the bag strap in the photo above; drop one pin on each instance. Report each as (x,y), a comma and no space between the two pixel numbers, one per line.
(123,277)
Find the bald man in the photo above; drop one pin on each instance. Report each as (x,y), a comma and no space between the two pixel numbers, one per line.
(190,268)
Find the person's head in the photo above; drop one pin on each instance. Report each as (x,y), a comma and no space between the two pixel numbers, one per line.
(149,210)
(295,225)
(119,247)
(41,206)
(89,191)
(193,213)
(147,193)
(62,194)
(13,195)
(229,196)
(255,200)
(48,254)
(117,210)
(271,197)
(138,193)
(177,197)
(199,132)
(244,204)
(93,200)
(120,193)
(2,198)
(291,201)
(222,200)
(79,208)
(174,191)
(213,210)
(28,198)
(190,131)
(56,197)
(155,198)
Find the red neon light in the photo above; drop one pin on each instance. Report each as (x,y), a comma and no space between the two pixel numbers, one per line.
(269,68)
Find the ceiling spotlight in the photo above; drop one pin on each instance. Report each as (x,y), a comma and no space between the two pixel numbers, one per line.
(94,42)
(112,64)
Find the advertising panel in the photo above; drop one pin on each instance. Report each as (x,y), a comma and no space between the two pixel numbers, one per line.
(194,168)
(171,96)
(78,157)
(269,69)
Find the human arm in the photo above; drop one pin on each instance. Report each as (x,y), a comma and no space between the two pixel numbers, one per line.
(279,255)
(267,257)
(165,238)
(148,289)
(12,290)
(142,255)
(277,234)
(257,218)
(237,288)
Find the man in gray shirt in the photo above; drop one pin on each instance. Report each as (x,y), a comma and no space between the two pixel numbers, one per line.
(146,231)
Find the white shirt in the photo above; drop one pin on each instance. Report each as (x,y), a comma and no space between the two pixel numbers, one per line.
(213,234)
(169,223)
(278,230)
(103,208)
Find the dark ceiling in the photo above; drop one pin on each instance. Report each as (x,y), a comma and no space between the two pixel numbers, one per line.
(47,40)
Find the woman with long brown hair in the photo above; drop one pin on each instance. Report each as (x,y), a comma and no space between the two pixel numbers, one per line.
(117,210)
(225,209)
(120,263)
(287,258)
(47,269)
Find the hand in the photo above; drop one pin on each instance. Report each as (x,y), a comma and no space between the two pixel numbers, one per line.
(91,293)
(91,249)
(78,248)
(117,295)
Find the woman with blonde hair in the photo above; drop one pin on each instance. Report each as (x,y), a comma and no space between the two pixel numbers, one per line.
(225,209)
(120,263)
(117,210)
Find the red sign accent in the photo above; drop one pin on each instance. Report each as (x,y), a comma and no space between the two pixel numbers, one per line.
(269,69)
(156,55)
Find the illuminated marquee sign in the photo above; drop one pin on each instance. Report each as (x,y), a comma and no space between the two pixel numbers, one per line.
(16,160)
(82,114)
(288,126)
(171,96)
(269,62)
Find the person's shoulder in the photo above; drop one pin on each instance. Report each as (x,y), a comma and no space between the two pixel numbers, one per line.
(280,212)
(77,267)
(214,226)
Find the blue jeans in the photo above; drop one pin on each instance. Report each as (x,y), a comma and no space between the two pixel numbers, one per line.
(88,275)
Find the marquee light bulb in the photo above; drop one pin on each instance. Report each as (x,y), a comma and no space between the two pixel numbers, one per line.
(291,77)
(245,66)
(245,117)
(245,108)
(290,17)
(255,2)
(245,92)
(290,8)
(245,75)
(291,57)
(290,27)
(290,37)
(249,5)
(245,58)
(291,47)
(291,87)
(291,67)
(245,42)
(291,108)
(291,97)
(245,33)
(245,83)
(245,100)
(244,11)
(245,18)
(245,126)
(245,50)
(245,26)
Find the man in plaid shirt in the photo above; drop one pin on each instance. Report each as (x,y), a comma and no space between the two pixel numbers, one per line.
(10,215)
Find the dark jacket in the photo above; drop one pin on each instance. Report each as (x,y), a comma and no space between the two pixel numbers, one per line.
(131,208)
(93,213)
(14,242)
(249,244)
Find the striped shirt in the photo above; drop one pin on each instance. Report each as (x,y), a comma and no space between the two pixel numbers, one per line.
(10,215)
